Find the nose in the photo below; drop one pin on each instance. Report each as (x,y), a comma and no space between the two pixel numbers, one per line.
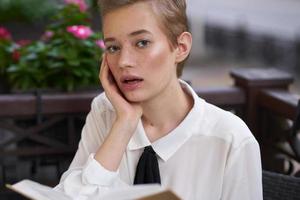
(126,58)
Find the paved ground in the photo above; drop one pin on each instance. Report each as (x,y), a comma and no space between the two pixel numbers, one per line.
(272,17)
(216,73)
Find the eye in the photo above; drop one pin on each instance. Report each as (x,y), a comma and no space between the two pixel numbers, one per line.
(112,49)
(143,43)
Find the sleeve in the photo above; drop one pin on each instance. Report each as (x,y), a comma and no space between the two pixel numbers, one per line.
(243,173)
(86,177)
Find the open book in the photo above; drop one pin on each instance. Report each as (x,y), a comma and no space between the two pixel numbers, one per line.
(37,191)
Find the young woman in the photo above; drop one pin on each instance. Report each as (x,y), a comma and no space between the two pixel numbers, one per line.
(149,126)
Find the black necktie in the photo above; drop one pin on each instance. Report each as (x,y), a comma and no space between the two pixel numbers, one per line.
(147,170)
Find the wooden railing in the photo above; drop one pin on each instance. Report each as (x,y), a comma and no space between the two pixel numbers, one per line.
(26,105)
(47,110)
(281,102)
(270,112)
(276,121)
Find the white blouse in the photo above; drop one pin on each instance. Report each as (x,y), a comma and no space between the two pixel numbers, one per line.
(211,155)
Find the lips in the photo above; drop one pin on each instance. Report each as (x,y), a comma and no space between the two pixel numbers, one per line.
(130,79)
(131,82)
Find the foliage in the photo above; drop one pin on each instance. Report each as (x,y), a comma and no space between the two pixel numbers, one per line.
(26,10)
(6,56)
(66,56)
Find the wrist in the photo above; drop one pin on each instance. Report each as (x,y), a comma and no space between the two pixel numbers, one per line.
(126,126)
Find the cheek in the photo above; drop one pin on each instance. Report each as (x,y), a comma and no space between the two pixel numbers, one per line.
(112,67)
(112,64)
(111,61)
(159,58)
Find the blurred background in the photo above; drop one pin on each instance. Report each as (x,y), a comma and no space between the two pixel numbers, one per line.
(235,33)
(241,33)
(245,59)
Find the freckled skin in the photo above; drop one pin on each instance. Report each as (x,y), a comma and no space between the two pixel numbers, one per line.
(154,62)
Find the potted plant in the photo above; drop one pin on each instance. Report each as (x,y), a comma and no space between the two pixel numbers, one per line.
(6,57)
(65,57)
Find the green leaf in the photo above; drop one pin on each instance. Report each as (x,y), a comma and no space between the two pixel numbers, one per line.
(88,43)
(12,68)
(74,62)
(56,65)
(31,56)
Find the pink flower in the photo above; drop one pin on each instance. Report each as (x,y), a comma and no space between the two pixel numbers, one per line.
(23,43)
(4,34)
(80,3)
(47,35)
(100,43)
(72,29)
(80,31)
(16,55)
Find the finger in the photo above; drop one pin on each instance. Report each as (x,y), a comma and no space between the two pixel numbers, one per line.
(106,77)
(104,70)
(103,62)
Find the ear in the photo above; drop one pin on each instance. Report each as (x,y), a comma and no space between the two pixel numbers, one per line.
(184,45)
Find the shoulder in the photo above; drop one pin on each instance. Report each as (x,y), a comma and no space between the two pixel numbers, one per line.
(226,126)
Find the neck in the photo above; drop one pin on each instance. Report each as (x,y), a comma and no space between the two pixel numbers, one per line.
(165,112)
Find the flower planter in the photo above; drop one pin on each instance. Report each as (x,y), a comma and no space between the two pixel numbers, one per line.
(66,56)
(4,87)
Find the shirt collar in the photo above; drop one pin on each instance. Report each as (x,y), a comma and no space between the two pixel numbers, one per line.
(166,146)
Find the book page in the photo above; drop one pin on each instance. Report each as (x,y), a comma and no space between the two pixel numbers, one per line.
(37,191)
(34,190)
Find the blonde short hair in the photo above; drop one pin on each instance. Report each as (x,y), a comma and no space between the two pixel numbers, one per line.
(171,14)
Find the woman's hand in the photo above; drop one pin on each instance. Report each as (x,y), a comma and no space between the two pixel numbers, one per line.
(110,153)
(126,111)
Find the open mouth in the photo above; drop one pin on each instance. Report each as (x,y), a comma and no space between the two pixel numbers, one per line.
(132,81)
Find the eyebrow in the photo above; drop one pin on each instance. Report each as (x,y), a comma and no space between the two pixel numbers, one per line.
(142,31)
(138,32)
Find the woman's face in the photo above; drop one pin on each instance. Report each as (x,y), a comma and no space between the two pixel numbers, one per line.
(138,52)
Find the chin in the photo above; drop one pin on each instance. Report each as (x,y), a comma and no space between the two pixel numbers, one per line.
(135,98)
